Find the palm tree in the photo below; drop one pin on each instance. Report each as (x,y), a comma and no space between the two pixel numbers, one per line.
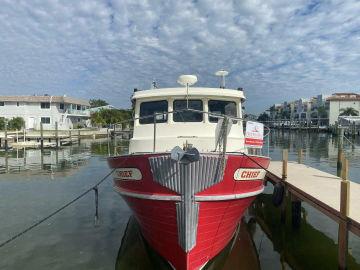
(349,111)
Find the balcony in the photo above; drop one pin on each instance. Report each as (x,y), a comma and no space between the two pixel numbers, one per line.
(78,112)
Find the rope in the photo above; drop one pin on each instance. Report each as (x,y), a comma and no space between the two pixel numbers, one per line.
(55,212)
(257,163)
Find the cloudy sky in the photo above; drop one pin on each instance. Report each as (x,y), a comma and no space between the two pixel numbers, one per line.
(276,50)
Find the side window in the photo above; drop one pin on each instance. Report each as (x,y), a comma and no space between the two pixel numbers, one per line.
(45,105)
(147,110)
(221,107)
(188,116)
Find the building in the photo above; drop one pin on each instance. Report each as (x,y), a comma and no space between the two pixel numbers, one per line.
(342,101)
(106,107)
(68,112)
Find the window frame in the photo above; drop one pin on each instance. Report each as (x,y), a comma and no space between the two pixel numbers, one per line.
(149,119)
(44,107)
(45,117)
(210,118)
(182,120)
(62,106)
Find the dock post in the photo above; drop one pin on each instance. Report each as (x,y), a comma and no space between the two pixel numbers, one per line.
(343,234)
(285,156)
(41,136)
(56,134)
(6,139)
(70,137)
(79,136)
(300,156)
(284,176)
(340,151)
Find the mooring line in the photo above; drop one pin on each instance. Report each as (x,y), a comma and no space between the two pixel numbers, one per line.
(95,187)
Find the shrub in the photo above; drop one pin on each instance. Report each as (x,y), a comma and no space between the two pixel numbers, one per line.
(16,123)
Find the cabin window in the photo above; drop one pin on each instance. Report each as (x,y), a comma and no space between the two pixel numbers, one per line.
(147,110)
(45,105)
(78,107)
(2,103)
(45,120)
(188,116)
(62,106)
(221,107)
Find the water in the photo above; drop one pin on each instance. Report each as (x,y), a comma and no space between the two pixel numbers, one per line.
(33,185)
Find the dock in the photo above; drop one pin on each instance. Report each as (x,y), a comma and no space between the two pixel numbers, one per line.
(336,197)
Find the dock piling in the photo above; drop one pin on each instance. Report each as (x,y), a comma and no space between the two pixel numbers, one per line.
(41,136)
(6,138)
(285,156)
(79,136)
(300,156)
(56,134)
(343,234)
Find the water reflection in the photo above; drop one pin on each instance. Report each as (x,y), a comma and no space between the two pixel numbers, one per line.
(304,247)
(240,253)
(35,161)
(320,150)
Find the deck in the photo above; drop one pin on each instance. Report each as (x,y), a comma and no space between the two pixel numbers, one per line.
(321,186)
(337,198)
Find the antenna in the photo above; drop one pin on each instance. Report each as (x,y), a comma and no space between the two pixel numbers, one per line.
(187,80)
(153,84)
(222,73)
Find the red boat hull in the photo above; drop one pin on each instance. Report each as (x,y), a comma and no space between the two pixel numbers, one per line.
(220,207)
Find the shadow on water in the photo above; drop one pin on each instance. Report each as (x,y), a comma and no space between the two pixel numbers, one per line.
(240,253)
(300,248)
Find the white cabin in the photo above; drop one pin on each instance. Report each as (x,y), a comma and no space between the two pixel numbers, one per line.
(186,127)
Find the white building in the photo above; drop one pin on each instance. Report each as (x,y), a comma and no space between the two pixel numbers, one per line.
(68,112)
(106,107)
(340,101)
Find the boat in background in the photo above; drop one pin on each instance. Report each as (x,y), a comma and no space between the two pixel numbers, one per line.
(189,175)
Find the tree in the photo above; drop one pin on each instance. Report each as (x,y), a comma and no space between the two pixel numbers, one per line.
(107,117)
(97,103)
(16,123)
(264,117)
(2,123)
(349,112)
(322,112)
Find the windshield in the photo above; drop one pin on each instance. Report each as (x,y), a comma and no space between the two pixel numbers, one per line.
(151,107)
(188,116)
(221,107)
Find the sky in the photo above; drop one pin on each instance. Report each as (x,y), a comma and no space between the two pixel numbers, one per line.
(276,50)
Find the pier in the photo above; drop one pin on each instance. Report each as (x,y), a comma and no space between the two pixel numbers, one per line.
(334,196)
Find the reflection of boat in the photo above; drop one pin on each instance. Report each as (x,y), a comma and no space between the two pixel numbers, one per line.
(187,177)
(135,253)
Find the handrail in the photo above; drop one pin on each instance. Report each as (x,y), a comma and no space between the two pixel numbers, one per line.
(216,115)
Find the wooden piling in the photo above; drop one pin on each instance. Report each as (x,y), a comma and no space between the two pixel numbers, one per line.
(300,156)
(343,234)
(79,136)
(285,156)
(41,136)
(295,211)
(56,134)
(70,137)
(6,139)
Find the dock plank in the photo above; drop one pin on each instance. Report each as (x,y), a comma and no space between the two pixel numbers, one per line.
(320,185)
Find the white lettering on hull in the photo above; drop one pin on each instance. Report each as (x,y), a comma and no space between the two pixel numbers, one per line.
(127,174)
(249,174)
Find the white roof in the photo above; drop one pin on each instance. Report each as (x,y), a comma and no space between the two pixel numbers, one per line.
(193,91)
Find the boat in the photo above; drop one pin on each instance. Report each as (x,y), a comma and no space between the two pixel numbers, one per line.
(190,172)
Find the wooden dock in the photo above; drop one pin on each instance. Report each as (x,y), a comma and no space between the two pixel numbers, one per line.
(336,197)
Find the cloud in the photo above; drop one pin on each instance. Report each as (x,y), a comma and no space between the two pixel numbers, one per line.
(276,50)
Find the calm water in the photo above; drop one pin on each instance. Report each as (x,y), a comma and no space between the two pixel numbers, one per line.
(32,185)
